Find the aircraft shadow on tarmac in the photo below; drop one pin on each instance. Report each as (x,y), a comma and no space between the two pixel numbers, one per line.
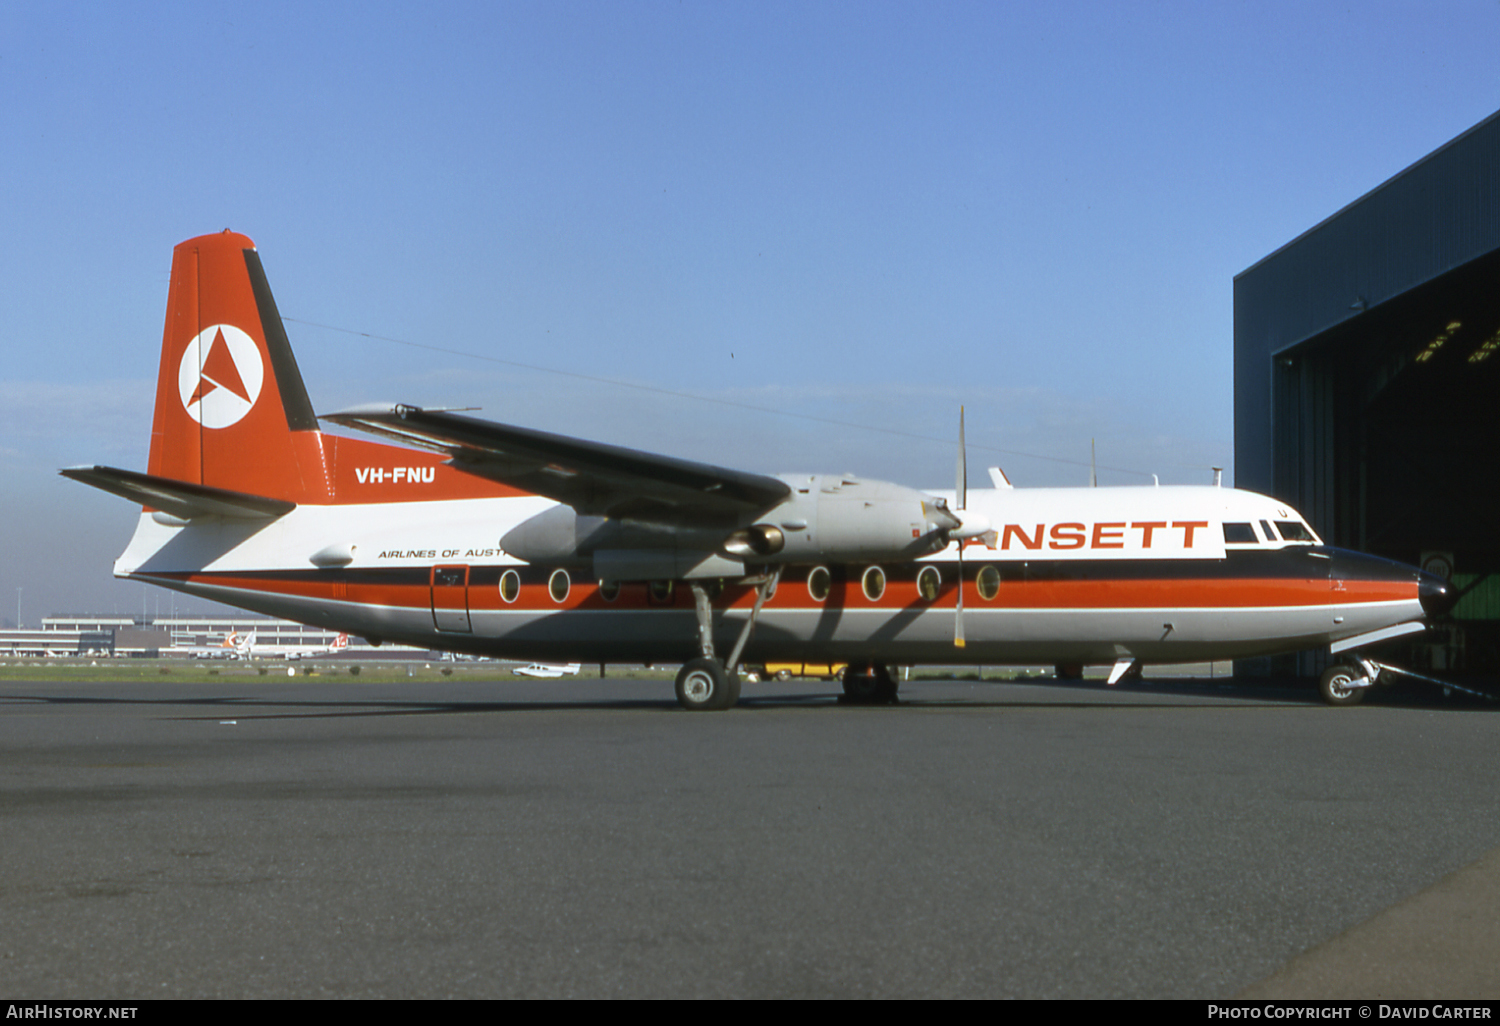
(253,708)
(1284,691)
(1173,693)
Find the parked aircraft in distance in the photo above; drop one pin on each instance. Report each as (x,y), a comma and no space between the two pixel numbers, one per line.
(483,538)
(248,648)
(240,648)
(547,669)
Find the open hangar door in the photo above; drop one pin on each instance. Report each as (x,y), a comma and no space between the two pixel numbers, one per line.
(1367,387)
(1386,431)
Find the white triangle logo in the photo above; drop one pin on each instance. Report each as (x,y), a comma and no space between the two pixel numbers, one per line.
(220,376)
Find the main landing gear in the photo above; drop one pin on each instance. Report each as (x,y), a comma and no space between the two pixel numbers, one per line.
(866,684)
(705,683)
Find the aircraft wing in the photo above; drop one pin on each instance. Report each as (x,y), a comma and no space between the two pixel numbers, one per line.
(594,478)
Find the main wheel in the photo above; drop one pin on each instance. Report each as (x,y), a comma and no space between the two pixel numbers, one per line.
(870,685)
(1335,686)
(703,683)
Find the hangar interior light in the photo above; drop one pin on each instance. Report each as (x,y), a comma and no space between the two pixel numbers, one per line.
(1437,343)
(1482,353)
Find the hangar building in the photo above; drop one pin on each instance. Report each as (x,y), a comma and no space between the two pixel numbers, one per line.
(1367,382)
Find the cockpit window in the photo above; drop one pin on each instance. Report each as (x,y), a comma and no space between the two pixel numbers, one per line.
(1239,534)
(1265,526)
(1293,530)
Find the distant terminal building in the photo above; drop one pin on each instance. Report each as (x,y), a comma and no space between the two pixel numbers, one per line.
(186,636)
(38,644)
(1367,382)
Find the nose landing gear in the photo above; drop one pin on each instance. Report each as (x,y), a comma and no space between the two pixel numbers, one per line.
(1343,685)
(1346,684)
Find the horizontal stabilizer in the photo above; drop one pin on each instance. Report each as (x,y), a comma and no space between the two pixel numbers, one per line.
(594,478)
(179,498)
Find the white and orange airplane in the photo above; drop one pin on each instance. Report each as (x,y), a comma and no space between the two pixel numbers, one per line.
(483,538)
(249,648)
(238,647)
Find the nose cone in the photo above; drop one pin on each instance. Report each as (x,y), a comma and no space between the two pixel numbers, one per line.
(1437,595)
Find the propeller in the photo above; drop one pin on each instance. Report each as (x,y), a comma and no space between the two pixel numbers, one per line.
(961,498)
(957,524)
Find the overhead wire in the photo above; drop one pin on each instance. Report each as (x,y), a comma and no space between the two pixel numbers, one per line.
(658,390)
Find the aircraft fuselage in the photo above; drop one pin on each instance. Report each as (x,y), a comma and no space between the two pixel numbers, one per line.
(1066,575)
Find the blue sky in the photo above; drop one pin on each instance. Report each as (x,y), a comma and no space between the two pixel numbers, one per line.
(785,236)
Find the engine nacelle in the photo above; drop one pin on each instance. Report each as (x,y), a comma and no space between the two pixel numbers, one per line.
(846,519)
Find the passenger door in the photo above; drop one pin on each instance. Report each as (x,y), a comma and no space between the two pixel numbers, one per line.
(450,599)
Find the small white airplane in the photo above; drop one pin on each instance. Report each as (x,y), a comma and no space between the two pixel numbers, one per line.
(547,670)
(488,539)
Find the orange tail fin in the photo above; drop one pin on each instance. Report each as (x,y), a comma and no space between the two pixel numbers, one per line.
(231,409)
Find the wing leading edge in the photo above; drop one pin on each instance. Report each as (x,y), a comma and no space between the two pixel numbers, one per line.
(594,478)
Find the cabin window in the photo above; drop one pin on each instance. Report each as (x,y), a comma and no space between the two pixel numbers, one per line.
(1239,534)
(609,590)
(558,585)
(510,586)
(988,582)
(819,582)
(1293,530)
(928,582)
(662,592)
(873,583)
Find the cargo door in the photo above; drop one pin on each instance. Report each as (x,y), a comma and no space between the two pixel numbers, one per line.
(450,599)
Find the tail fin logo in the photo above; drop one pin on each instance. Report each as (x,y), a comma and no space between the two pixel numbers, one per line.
(220,376)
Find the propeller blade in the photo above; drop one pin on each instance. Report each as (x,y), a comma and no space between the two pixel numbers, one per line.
(961,491)
(961,496)
(958,612)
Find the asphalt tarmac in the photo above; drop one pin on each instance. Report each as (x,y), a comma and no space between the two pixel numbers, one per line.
(268,837)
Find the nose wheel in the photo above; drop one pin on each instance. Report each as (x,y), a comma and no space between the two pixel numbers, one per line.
(1338,688)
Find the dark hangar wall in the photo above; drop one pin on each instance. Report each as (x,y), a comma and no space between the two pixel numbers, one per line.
(1435,216)
(1367,374)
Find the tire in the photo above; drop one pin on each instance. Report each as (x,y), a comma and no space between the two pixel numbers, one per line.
(870,685)
(1334,686)
(703,684)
